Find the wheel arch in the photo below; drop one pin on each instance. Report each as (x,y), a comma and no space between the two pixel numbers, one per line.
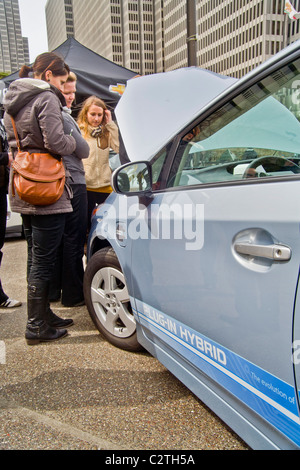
(107,254)
(98,244)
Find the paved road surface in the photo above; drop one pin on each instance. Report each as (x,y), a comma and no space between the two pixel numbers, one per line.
(82,393)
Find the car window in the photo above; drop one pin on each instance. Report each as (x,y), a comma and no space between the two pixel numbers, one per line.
(157,167)
(255,135)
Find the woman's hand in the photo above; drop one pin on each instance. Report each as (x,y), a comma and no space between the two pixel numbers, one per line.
(108,117)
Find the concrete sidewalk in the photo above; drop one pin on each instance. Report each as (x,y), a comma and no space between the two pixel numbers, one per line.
(82,393)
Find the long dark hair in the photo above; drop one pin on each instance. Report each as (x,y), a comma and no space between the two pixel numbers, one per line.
(44,62)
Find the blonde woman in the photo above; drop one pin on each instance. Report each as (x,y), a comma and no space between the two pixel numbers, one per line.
(101,133)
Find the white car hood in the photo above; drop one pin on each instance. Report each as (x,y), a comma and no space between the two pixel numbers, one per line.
(154,108)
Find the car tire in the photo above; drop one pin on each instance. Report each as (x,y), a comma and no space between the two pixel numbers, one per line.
(108,302)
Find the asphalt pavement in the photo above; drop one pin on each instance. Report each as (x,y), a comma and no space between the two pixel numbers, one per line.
(81,393)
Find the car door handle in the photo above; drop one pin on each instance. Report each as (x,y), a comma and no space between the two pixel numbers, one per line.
(275,252)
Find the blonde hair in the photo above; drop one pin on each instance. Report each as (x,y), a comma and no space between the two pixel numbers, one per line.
(71,77)
(82,116)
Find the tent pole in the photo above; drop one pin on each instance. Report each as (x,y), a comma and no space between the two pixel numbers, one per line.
(191,32)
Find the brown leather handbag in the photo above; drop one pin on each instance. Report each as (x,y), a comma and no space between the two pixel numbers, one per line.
(38,178)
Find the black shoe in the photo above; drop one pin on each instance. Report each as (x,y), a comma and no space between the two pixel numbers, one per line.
(56,322)
(44,333)
(76,304)
(54,299)
(39,313)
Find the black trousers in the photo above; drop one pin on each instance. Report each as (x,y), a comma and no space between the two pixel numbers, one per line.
(94,198)
(3,213)
(43,234)
(67,281)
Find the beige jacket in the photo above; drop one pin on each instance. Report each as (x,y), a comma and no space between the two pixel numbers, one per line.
(96,166)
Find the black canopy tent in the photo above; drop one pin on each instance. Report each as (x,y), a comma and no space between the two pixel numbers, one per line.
(95,74)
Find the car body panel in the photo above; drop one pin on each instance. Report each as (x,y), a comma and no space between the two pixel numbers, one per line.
(165,289)
(296,346)
(218,313)
(224,321)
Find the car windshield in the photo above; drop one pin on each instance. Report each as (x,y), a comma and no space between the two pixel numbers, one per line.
(260,125)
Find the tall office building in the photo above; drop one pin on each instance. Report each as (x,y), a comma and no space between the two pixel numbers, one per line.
(59,21)
(147,36)
(236,36)
(120,30)
(14,49)
(233,36)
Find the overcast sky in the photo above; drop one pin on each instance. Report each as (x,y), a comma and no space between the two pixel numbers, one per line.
(33,24)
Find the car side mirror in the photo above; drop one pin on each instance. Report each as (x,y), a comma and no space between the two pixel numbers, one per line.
(133,178)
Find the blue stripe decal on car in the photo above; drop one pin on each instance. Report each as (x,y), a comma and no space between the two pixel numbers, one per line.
(272,398)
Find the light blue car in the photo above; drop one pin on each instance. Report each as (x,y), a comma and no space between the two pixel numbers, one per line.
(195,255)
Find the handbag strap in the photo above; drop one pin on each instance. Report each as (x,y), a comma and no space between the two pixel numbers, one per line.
(16,133)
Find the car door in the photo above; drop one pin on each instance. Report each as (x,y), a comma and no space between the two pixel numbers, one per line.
(215,268)
(296,345)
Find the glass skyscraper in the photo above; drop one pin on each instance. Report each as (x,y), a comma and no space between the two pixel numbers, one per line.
(148,36)
(14,49)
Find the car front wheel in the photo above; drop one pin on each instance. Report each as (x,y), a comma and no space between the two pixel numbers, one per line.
(107,300)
